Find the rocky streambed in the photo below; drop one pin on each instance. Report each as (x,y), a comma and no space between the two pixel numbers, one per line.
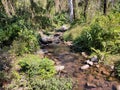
(94,77)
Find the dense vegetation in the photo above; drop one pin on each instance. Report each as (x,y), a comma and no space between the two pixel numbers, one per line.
(94,28)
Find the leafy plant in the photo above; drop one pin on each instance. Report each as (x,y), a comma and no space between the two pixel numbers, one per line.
(102,34)
(33,65)
(26,42)
(51,84)
(117,69)
(36,83)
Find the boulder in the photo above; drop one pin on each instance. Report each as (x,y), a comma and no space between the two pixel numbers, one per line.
(45,39)
(86,66)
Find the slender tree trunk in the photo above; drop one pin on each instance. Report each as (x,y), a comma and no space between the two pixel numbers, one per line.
(32,8)
(57,4)
(105,7)
(70,2)
(5,5)
(12,10)
(85,8)
(74,9)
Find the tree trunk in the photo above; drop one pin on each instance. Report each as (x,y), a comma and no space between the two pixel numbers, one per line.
(57,4)
(105,7)
(85,8)
(32,8)
(5,5)
(70,2)
(12,10)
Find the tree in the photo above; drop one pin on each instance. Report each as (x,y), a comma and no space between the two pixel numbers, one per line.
(85,8)
(105,7)
(8,7)
(70,3)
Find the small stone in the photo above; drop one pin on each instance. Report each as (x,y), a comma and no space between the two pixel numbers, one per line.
(91,85)
(94,59)
(59,68)
(84,55)
(105,73)
(97,66)
(89,62)
(85,67)
(112,67)
(64,28)
(68,43)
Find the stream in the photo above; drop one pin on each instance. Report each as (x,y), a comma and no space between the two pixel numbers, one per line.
(97,77)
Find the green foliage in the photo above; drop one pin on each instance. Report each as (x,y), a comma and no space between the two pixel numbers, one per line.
(61,18)
(10,27)
(43,22)
(33,65)
(102,34)
(36,83)
(26,42)
(117,7)
(101,55)
(117,69)
(51,84)
(89,38)
(17,31)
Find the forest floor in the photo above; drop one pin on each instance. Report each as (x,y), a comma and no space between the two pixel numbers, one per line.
(96,77)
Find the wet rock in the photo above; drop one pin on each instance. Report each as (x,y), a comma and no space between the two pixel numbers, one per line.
(89,62)
(84,55)
(45,39)
(85,67)
(59,68)
(91,85)
(94,59)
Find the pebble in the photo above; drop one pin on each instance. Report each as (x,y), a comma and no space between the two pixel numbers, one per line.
(94,59)
(85,67)
(91,85)
(84,55)
(59,68)
(89,62)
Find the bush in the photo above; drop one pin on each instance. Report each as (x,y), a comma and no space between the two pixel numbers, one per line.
(33,65)
(117,69)
(37,83)
(60,19)
(25,43)
(51,84)
(102,34)
(10,29)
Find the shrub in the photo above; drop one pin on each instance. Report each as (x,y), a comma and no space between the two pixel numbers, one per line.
(36,83)
(25,43)
(102,34)
(33,65)
(51,84)
(60,19)
(117,69)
